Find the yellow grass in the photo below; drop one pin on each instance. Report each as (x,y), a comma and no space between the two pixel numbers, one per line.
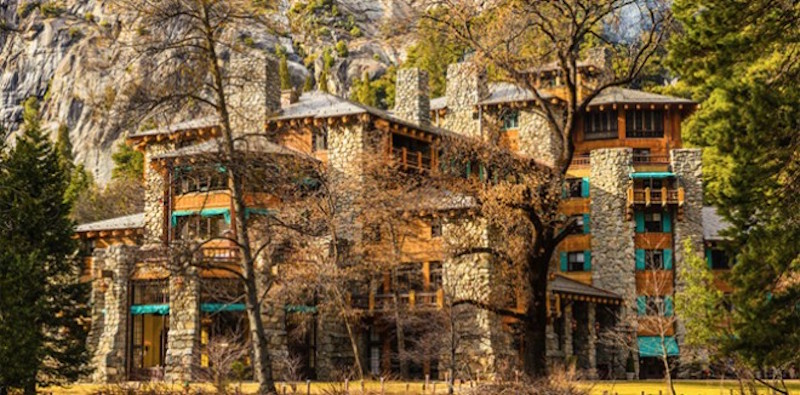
(706,387)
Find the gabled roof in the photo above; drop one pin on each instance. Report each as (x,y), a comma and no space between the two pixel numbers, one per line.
(565,285)
(205,122)
(133,221)
(253,144)
(713,223)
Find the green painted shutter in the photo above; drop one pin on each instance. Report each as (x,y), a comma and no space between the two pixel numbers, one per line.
(668,306)
(667,259)
(666,222)
(639,259)
(469,169)
(586,228)
(563,191)
(585,187)
(587,261)
(482,172)
(708,258)
(639,217)
(641,305)
(564,262)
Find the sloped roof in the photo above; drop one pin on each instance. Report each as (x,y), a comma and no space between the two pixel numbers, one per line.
(133,221)
(631,96)
(567,285)
(252,144)
(205,122)
(713,223)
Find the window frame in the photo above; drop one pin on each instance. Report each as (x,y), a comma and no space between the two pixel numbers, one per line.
(645,123)
(573,264)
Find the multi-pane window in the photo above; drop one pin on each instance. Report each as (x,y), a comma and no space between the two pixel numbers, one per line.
(196,227)
(600,125)
(511,120)
(200,181)
(575,261)
(436,227)
(653,222)
(574,187)
(149,292)
(719,260)
(409,277)
(644,123)
(654,259)
(655,306)
(435,279)
(319,140)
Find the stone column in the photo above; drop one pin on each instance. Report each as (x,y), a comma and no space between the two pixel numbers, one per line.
(183,340)
(254,91)
(334,351)
(536,137)
(591,349)
(612,233)
(466,87)
(412,101)
(110,312)
(568,351)
(688,168)
(155,189)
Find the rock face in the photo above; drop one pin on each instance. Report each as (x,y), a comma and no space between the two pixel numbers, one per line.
(67,55)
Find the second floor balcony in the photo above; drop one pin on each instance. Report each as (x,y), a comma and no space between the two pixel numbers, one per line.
(655,196)
(411,300)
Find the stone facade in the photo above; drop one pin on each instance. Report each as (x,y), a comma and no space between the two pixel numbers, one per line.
(411,96)
(183,341)
(612,233)
(110,312)
(155,183)
(536,137)
(466,87)
(254,91)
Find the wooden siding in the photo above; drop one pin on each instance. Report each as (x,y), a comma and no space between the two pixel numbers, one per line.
(653,241)
(220,199)
(654,282)
(583,277)
(574,206)
(658,146)
(653,326)
(576,243)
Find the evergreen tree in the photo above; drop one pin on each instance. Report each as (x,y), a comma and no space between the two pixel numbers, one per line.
(434,51)
(283,71)
(308,86)
(734,57)
(42,337)
(128,163)
(80,179)
(362,91)
(64,147)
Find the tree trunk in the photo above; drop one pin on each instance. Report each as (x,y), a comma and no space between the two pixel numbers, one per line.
(667,372)
(401,338)
(535,325)
(354,345)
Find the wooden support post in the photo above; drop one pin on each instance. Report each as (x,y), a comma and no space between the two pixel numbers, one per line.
(404,153)
(371,302)
(647,196)
(362,387)
(412,299)
(440,298)
(664,197)
(383,389)
(308,387)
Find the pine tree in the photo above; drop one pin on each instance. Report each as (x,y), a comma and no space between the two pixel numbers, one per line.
(80,179)
(128,163)
(733,57)
(283,72)
(64,146)
(42,337)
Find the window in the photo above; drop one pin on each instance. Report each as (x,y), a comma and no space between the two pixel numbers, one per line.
(408,277)
(436,227)
(511,120)
(199,180)
(319,140)
(435,275)
(654,260)
(600,125)
(149,292)
(574,187)
(575,261)
(644,123)
(197,227)
(719,260)
(652,222)
(655,306)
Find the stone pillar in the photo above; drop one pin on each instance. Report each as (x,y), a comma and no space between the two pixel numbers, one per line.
(688,168)
(412,100)
(155,189)
(466,87)
(334,351)
(110,312)
(612,232)
(568,351)
(348,146)
(536,137)
(183,340)
(591,349)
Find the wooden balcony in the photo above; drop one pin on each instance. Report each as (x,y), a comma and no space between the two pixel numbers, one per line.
(220,199)
(651,159)
(580,162)
(649,197)
(412,160)
(411,300)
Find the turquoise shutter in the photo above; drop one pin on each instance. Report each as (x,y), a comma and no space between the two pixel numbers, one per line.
(708,258)
(666,223)
(639,217)
(586,228)
(641,305)
(585,187)
(668,307)
(639,259)
(563,262)
(667,259)
(469,169)
(563,191)
(587,261)
(482,172)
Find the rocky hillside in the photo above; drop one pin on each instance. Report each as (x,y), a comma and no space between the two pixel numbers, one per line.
(64,51)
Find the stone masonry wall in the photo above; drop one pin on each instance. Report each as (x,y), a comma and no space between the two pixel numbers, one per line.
(183,341)
(688,168)
(154,183)
(536,137)
(412,100)
(110,313)
(466,86)
(253,91)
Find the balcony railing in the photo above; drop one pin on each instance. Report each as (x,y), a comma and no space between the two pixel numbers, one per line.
(415,160)
(411,300)
(651,159)
(580,161)
(220,254)
(648,196)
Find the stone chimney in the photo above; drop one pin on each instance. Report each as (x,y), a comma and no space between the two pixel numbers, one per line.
(289,97)
(599,57)
(253,91)
(466,87)
(412,98)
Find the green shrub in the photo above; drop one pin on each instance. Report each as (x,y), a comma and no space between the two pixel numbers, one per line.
(355,31)
(75,33)
(51,9)
(88,17)
(25,9)
(341,49)
(249,41)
